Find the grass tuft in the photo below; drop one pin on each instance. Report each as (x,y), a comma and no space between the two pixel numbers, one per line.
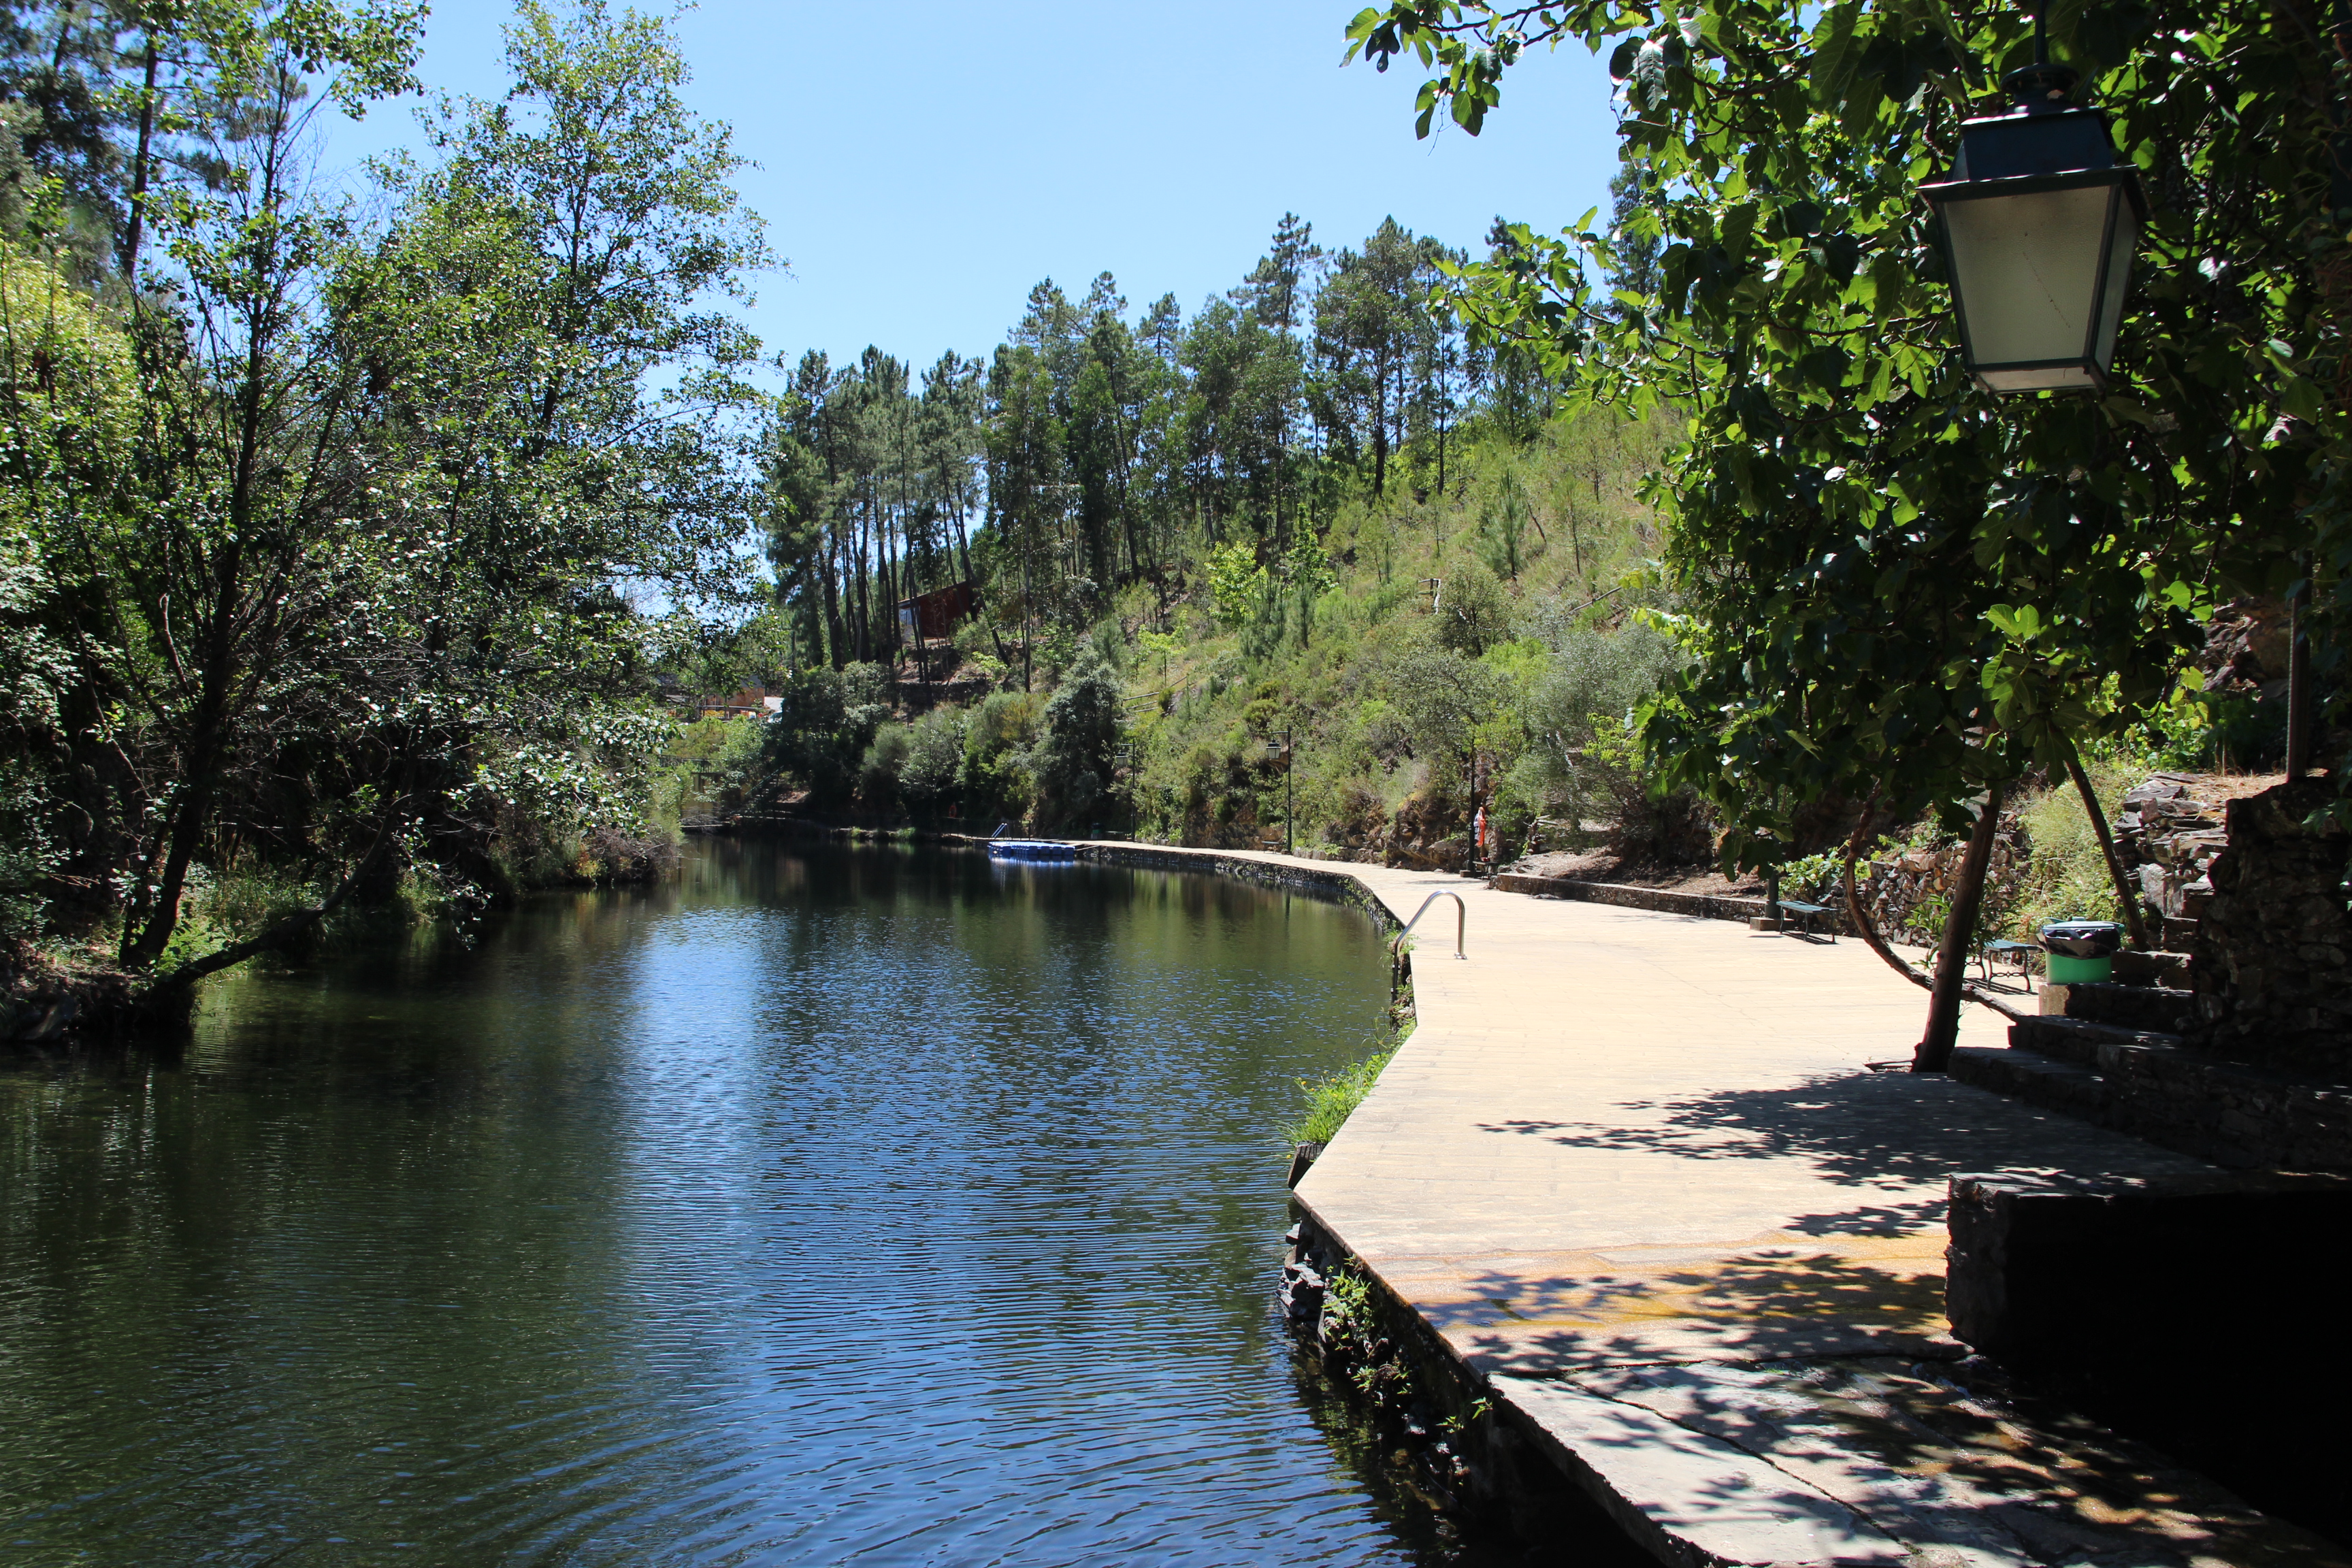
(1333,1097)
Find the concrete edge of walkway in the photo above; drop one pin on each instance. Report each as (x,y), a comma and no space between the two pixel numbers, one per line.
(1666,1444)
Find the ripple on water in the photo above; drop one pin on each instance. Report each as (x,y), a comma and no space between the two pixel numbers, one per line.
(877,1208)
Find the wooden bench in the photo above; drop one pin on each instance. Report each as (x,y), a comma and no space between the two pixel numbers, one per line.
(1809,914)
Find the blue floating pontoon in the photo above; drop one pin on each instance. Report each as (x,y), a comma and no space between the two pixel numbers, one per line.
(1031,849)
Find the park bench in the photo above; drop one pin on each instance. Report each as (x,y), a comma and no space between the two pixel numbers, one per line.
(1809,914)
(2008,951)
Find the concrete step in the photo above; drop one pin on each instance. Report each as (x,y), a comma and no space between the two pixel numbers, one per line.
(2052,1082)
(1878,1463)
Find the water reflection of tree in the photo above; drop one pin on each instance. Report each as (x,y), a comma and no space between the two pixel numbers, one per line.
(508,1193)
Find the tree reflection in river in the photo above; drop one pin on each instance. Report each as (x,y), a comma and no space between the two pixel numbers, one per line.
(883,1206)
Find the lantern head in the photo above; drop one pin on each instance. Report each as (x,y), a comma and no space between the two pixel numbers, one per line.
(2039,222)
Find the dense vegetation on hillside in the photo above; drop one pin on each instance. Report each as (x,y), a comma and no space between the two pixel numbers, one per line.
(1416,654)
(1307,546)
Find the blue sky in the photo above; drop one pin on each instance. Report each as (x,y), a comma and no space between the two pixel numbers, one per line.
(923,164)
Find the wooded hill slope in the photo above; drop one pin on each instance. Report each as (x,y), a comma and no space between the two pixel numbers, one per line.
(1422,653)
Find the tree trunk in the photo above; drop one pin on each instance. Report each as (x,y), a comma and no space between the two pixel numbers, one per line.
(828,592)
(894,583)
(1866,928)
(1440,423)
(1952,956)
(2127,891)
(828,582)
(865,597)
(284,931)
(136,233)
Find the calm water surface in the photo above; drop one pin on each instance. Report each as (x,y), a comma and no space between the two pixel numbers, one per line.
(825,1208)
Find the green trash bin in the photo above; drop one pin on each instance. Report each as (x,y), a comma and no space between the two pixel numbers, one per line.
(2081,953)
(2066,971)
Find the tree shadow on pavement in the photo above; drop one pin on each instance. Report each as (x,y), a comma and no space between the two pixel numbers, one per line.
(1894,1131)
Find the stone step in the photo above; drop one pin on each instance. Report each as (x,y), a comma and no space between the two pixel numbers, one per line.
(2051,1083)
(2151,1086)
(2135,968)
(2138,1007)
(2079,1039)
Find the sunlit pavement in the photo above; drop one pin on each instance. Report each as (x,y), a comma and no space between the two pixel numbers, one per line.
(1637,1172)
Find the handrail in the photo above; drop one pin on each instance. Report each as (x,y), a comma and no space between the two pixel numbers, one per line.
(1461,922)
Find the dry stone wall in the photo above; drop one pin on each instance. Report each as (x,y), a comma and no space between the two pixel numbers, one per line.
(2270,959)
(1907,893)
(2167,840)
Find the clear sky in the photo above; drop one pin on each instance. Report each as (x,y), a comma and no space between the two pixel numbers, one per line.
(922,164)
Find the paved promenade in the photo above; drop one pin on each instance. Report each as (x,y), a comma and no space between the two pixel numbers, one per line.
(1635,1170)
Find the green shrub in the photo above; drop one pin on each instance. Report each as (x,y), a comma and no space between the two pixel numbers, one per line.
(1333,1097)
(931,774)
(996,740)
(2065,874)
(27,855)
(1072,759)
(1473,614)
(885,759)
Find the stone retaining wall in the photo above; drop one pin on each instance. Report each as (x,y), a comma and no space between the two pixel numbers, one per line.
(1661,901)
(1336,886)
(2172,1307)
(1907,893)
(2272,958)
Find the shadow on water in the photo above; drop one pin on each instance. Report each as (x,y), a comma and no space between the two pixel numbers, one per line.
(825,1206)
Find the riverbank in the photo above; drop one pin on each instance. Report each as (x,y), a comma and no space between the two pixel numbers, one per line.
(1632,1186)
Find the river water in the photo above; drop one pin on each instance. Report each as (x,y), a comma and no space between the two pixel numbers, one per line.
(825,1206)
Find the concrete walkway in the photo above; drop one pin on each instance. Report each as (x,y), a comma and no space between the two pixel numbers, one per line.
(1634,1170)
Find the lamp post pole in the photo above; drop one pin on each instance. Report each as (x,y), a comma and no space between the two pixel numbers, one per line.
(1284,750)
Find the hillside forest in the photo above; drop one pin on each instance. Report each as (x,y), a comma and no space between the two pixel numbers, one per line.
(369,555)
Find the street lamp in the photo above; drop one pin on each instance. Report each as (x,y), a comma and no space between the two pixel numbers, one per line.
(2039,222)
(1281,748)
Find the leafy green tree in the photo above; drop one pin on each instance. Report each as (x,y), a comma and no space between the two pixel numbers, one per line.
(930,781)
(1450,703)
(1577,710)
(1860,533)
(339,540)
(821,734)
(205,597)
(879,774)
(560,405)
(1473,614)
(997,737)
(1073,757)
